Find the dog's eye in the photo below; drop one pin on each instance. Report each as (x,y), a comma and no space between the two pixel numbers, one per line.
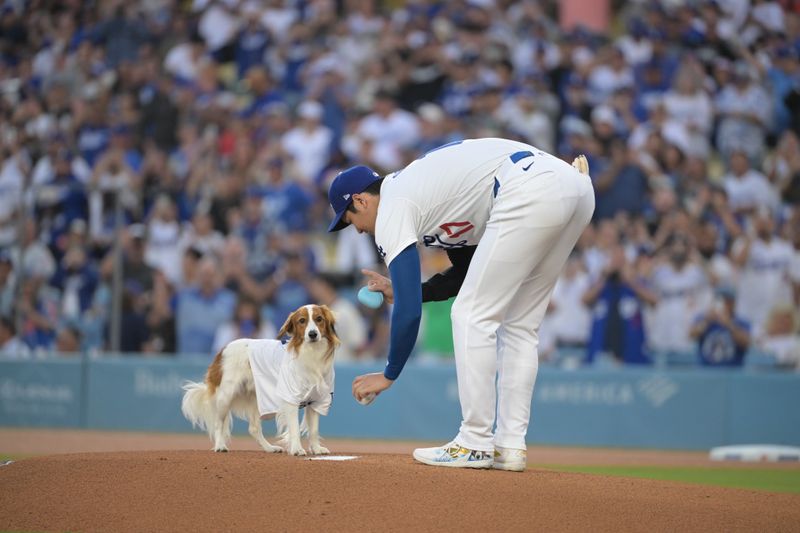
(319,319)
(302,320)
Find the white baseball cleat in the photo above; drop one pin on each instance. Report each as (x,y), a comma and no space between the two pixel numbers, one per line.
(453,455)
(512,459)
(581,164)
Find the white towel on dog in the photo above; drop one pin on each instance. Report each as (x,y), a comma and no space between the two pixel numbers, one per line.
(280,378)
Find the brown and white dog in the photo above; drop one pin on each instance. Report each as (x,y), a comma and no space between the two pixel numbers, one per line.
(257,379)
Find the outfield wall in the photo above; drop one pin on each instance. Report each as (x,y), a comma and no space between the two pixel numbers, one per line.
(625,407)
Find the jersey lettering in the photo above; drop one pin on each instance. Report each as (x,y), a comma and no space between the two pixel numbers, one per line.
(433,241)
(452,228)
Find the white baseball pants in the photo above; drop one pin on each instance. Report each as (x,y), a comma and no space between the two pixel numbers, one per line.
(538,214)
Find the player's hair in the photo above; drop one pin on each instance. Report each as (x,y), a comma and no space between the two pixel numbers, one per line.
(8,324)
(373,188)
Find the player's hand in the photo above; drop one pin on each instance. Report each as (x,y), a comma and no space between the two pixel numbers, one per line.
(370,384)
(378,283)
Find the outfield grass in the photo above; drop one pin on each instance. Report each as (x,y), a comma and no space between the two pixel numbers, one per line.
(743,478)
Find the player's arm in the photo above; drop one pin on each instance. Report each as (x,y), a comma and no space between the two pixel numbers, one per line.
(406,315)
(439,287)
(445,285)
(407,312)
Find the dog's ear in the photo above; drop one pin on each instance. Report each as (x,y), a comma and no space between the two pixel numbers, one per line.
(328,314)
(330,318)
(287,328)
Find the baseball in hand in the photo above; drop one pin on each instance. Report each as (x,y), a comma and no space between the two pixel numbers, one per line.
(367,398)
(370,298)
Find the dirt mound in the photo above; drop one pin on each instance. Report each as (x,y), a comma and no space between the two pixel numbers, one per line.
(254,491)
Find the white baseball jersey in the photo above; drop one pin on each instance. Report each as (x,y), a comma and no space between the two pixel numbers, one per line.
(682,295)
(279,381)
(443,199)
(764,280)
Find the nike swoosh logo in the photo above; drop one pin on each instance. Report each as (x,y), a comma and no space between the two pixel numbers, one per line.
(526,168)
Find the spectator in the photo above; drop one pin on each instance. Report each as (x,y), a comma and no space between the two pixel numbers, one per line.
(246,324)
(61,200)
(782,75)
(387,133)
(134,331)
(122,34)
(722,336)
(8,283)
(159,118)
(225,208)
(688,104)
(783,168)
(200,310)
(164,232)
(252,41)
(609,74)
(161,317)
(683,292)
(620,183)
(781,337)
(201,235)
(12,181)
(134,267)
(764,260)
(184,60)
(38,314)
(524,117)
(570,318)
(34,257)
(309,143)
(77,280)
(68,341)
(11,347)
(44,170)
(746,187)
(190,262)
(354,251)
(743,113)
(617,300)
(263,92)
(432,130)
(287,289)
(286,203)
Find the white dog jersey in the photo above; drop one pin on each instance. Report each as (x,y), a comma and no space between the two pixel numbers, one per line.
(280,378)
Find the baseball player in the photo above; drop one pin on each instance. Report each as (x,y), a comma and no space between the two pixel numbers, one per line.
(508,215)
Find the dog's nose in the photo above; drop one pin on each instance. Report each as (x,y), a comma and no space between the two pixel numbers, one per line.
(312,335)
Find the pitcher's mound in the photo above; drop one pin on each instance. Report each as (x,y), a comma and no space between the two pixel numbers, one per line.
(255,491)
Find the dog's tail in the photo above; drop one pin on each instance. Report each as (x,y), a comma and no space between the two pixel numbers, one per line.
(197,406)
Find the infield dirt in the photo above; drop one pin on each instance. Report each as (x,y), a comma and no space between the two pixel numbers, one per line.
(253,491)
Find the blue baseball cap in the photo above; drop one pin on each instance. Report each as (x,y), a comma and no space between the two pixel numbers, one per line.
(347,183)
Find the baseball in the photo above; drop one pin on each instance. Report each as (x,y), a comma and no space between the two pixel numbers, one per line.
(370,298)
(367,399)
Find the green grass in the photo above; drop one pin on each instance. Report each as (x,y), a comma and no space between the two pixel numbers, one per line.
(744,478)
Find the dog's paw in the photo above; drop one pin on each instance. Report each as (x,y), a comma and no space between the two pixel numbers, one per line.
(296,450)
(221,449)
(274,449)
(320,450)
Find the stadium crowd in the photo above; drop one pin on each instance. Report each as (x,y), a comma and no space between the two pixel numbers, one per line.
(199,138)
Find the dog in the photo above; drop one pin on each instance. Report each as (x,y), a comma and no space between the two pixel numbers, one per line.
(257,379)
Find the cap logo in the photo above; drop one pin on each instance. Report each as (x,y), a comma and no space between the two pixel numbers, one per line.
(346,196)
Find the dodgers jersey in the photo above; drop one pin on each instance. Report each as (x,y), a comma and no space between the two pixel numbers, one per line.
(443,199)
(278,380)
